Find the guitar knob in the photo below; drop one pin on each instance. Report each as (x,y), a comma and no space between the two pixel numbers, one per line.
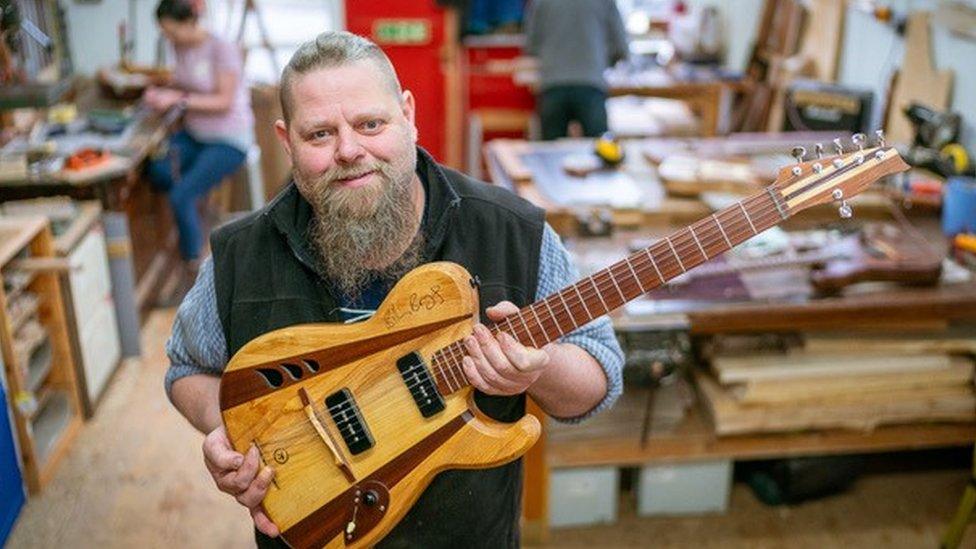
(371,498)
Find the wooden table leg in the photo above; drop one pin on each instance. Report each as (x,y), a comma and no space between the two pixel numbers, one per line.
(535,488)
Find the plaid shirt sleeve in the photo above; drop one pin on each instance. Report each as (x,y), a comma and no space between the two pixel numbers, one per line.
(556,271)
(197,345)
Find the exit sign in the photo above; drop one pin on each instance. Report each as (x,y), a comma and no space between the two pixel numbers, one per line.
(401,31)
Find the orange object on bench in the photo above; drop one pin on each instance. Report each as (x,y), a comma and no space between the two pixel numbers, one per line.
(86,158)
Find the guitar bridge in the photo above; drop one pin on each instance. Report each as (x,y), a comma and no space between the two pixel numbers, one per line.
(421,385)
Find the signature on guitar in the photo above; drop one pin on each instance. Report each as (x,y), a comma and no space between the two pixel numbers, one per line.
(417,302)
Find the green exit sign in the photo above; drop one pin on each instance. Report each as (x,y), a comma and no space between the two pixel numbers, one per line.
(401,31)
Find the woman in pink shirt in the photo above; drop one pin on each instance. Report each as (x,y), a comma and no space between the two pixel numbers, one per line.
(218,126)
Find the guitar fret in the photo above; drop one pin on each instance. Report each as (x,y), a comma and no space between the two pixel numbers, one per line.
(450,371)
(528,331)
(568,310)
(720,228)
(539,322)
(749,219)
(553,315)
(599,294)
(511,328)
(675,252)
(613,278)
(693,235)
(633,272)
(589,315)
(654,264)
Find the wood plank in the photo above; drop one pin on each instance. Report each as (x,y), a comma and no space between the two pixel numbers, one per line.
(918,80)
(16,233)
(905,343)
(937,404)
(959,373)
(694,439)
(801,365)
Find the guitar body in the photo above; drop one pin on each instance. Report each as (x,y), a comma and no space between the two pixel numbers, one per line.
(333,414)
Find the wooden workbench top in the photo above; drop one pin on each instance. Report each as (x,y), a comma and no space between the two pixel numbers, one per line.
(17,232)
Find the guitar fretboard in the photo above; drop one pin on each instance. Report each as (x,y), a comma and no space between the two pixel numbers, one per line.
(596,295)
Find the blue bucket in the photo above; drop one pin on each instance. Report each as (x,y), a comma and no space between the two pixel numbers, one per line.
(959,206)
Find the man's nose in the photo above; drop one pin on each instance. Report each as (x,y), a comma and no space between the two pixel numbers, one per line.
(348,147)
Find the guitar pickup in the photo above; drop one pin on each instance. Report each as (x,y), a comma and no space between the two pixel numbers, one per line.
(420,383)
(345,413)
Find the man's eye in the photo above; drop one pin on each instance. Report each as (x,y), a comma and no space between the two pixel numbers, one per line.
(372,125)
(320,134)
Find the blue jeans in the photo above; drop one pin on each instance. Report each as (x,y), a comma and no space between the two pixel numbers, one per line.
(188,171)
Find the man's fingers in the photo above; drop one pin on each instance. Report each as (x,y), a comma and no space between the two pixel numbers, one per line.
(236,482)
(263,523)
(501,310)
(256,491)
(525,359)
(218,454)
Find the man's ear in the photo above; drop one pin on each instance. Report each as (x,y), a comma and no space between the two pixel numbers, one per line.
(409,108)
(281,130)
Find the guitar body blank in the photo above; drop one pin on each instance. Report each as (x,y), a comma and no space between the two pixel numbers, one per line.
(323,493)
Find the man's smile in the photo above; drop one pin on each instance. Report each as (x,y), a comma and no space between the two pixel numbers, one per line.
(355,180)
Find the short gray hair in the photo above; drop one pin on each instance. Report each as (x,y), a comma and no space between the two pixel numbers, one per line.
(334,49)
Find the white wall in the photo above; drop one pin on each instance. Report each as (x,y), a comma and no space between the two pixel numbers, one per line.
(93,32)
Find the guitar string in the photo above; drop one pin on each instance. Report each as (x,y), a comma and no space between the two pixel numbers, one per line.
(683,239)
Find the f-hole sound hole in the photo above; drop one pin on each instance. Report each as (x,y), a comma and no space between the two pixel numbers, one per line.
(294,370)
(312,365)
(273,377)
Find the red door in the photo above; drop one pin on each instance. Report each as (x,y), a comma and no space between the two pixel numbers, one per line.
(421,40)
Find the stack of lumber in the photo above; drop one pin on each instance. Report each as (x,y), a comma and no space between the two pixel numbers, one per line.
(842,382)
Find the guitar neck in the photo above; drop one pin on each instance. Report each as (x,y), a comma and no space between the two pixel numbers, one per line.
(549,319)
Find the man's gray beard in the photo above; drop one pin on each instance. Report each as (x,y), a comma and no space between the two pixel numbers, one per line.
(347,238)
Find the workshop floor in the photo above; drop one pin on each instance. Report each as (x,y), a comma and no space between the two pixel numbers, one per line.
(135,478)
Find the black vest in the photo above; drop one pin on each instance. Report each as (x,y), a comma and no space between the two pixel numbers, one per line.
(265,278)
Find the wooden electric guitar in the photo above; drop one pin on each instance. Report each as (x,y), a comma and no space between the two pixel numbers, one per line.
(357,419)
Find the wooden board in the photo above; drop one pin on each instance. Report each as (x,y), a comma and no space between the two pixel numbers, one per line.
(959,373)
(801,365)
(694,438)
(915,405)
(16,232)
(918,80)
(954,341)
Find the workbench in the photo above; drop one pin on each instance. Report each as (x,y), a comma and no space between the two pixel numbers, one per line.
(615,437)
(120,188)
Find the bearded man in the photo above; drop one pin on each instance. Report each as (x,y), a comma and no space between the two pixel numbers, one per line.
(366,206)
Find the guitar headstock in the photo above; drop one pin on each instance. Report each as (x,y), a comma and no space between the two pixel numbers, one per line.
(838,177)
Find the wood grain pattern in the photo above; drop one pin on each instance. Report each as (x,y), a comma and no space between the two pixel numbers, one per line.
(918,80)
(307,478)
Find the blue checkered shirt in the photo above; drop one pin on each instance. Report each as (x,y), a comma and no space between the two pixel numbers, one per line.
(197,344)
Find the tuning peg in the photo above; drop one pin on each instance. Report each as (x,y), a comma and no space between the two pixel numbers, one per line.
(817,166)
(798,153)
(859,139)
(879,154)
(839,149)
(845,210)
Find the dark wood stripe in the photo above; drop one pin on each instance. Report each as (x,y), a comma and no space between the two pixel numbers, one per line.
(240,386)
(329,521)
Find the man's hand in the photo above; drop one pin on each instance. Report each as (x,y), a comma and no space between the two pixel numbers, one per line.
(238,476)
(501,365)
